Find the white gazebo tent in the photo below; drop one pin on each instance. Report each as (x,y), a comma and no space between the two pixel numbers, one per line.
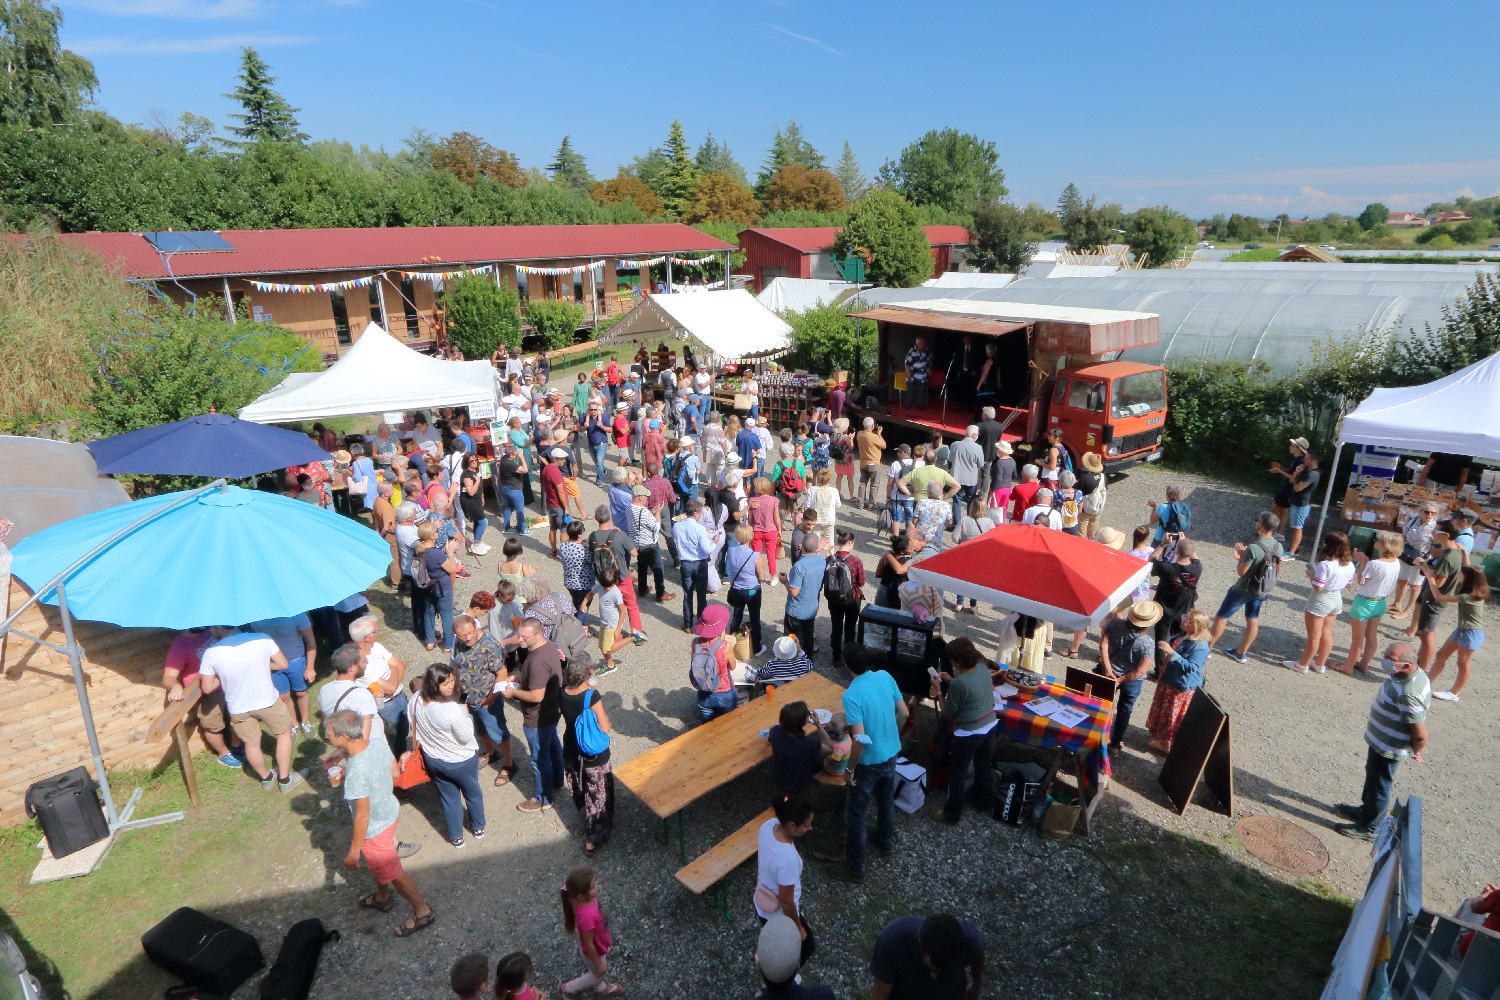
(379,374)
(1458,414)
(726,326)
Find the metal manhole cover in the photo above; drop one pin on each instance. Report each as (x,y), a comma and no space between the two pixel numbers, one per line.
(1282,845)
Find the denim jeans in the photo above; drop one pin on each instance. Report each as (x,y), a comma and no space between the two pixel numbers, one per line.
(515,500)
(546,760)
(437,604)
(746,602)
(694,573)
(1129,692)
(877,781)
(489,720)
(599,451)
(648,561)
(963,751)
(459,792)
(393,714)
(479,527)
(961,501)
(916,394)
(711,706)
(1380,774)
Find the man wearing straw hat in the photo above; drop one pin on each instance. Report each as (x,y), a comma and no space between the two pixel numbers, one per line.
(1126,655)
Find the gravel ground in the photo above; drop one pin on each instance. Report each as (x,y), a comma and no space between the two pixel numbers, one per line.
(1060,916)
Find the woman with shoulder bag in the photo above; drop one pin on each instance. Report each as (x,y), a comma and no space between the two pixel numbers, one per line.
(444,729)
(745,570)
(586,732)
(778,887)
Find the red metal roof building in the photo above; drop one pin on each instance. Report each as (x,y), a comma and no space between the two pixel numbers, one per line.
(332,318)
(803,253)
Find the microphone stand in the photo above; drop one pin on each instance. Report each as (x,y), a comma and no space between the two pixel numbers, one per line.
(947,381)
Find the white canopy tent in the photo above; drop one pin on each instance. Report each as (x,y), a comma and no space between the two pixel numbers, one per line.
(730,326)
(1458,414)
(378,374)
(784,295)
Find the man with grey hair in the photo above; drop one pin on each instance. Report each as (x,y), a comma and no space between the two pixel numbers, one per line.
(989,435)
(870,444)
(966,459)
(368,781)
(405,541)
(1041,510)
(1396,730)
(1023,494)
(344,693)
(388,671)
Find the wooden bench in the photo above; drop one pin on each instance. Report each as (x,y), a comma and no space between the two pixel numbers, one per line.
(706,873)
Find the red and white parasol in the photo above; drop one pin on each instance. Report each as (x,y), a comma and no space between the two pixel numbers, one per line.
(1036,571)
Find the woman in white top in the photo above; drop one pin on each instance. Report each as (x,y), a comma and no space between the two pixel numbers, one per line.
(824,498)
(444,731)
(751,388)
(1330,574)
(1377,580)
(778,886)
(1417,535)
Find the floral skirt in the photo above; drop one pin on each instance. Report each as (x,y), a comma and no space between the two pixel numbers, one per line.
(1167,710)
(593,790)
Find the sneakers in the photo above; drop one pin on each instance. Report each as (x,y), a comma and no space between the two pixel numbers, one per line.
(310,729)
(1237,656)
(230,760)
(479,549)
(291,781)
(1294,666)
(479,833)
(762,651)
(639,638)
(1349,810)
(457,844)
(1445,696)
(773,582)
(268,780)
(1354,831)
(405,850)
(606,668)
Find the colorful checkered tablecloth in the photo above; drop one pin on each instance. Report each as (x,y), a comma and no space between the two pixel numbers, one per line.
(1087,739)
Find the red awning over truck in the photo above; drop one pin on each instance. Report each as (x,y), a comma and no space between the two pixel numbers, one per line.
(1056,329)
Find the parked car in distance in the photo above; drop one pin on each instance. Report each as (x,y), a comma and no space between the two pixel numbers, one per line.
(1494,246)
(1325,246)
(1252,246)
(1205,245)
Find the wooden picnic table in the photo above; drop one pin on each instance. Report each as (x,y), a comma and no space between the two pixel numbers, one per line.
(673,776)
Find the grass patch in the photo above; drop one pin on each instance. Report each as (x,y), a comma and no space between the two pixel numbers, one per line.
(1264,253)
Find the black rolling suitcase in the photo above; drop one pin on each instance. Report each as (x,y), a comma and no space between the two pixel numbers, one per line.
(205,953)
(68,808)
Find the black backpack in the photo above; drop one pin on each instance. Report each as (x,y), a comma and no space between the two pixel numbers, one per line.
(838,582)
(291,978)
(604,559)
(1262,575)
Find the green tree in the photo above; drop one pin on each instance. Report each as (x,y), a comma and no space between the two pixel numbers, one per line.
(721,198)
(999,243)
(787,147)
(468,157)
(44,84)
(678,181)
(481,316)
(1374,214)
(714,157)
(1040,223)
(947,168)
(851,178)
(1090,224)
(267,116)
(1158,234)
(1068,203)
(885,230)
(555,320)
(826,340)
(796,187)
(1243,228)
(1469,332)
(569,167)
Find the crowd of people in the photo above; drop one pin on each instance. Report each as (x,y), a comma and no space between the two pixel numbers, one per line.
(729,507)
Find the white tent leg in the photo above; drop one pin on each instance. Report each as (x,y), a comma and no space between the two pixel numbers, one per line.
(1327,497)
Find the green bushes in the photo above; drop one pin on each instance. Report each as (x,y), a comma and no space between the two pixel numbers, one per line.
(824,340)
(556,320)
(482,316)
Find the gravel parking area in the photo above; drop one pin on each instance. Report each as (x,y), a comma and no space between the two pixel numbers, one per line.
(1086,917)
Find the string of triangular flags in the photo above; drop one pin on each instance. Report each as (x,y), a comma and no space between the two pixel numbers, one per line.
(597,265)
(635,265)
(367,280)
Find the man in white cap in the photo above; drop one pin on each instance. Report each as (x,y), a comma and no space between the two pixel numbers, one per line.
(553,496)
(778,956)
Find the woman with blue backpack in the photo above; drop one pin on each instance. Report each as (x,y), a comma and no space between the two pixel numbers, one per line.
(586,732)
(1170,520)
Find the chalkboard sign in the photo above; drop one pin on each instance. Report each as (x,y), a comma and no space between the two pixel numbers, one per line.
(1200,752)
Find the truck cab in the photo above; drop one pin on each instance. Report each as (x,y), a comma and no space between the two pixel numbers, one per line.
(1116,409)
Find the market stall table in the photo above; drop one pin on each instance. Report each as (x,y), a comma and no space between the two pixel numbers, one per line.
(1084,744)
(681,771)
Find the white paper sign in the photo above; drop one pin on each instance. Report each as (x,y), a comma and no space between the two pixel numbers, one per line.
(393,418)
(484,410)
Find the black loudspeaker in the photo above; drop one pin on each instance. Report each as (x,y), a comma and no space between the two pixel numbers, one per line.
(202,951)
(1016,788)
(68,808)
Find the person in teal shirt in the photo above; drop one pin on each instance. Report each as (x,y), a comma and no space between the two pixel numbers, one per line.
(875,711)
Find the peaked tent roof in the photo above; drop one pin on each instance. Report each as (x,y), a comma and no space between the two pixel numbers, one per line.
(801,294)
(1459,414)
(730,325)
(377,374)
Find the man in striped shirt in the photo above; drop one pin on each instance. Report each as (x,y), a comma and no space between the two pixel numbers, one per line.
(1397,729)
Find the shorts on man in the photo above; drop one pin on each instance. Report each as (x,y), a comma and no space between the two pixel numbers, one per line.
(1236,599)
(276,718)
(293,678)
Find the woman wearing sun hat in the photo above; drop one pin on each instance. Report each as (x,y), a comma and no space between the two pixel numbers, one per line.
(709,635)
(1090,476)
(1126,655)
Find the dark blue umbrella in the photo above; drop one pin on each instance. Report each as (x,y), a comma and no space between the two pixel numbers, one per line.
(211,445)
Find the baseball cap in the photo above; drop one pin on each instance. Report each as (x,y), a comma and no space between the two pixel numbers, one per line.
(558,453)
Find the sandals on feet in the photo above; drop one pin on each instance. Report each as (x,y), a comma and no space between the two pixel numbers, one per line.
(370,902)
(414,925)
(503,778)
(608,990)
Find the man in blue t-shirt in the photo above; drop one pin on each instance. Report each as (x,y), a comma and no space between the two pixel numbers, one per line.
(803,585)
(875,712)
(747,444)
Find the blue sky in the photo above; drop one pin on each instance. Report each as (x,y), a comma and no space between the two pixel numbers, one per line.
(1260,108)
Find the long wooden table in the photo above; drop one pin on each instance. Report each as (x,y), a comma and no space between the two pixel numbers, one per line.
(681,771)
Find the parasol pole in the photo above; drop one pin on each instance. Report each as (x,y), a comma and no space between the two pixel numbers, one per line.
(75,659)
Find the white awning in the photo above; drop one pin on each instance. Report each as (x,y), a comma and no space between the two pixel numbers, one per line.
(1458,414)
(730,326)
(376,375)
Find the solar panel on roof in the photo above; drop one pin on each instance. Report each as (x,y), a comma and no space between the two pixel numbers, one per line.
(188,242)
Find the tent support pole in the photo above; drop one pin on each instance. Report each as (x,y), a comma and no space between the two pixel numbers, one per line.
(75,660)
(1327,497)
(669,273)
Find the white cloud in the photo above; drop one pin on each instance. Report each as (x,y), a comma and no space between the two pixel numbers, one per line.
(805,38)
(193,9)
(117,46)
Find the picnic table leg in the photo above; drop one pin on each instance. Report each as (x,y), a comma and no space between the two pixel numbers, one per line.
(185,756)
(664,835)
(1086,802)
(720,896)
